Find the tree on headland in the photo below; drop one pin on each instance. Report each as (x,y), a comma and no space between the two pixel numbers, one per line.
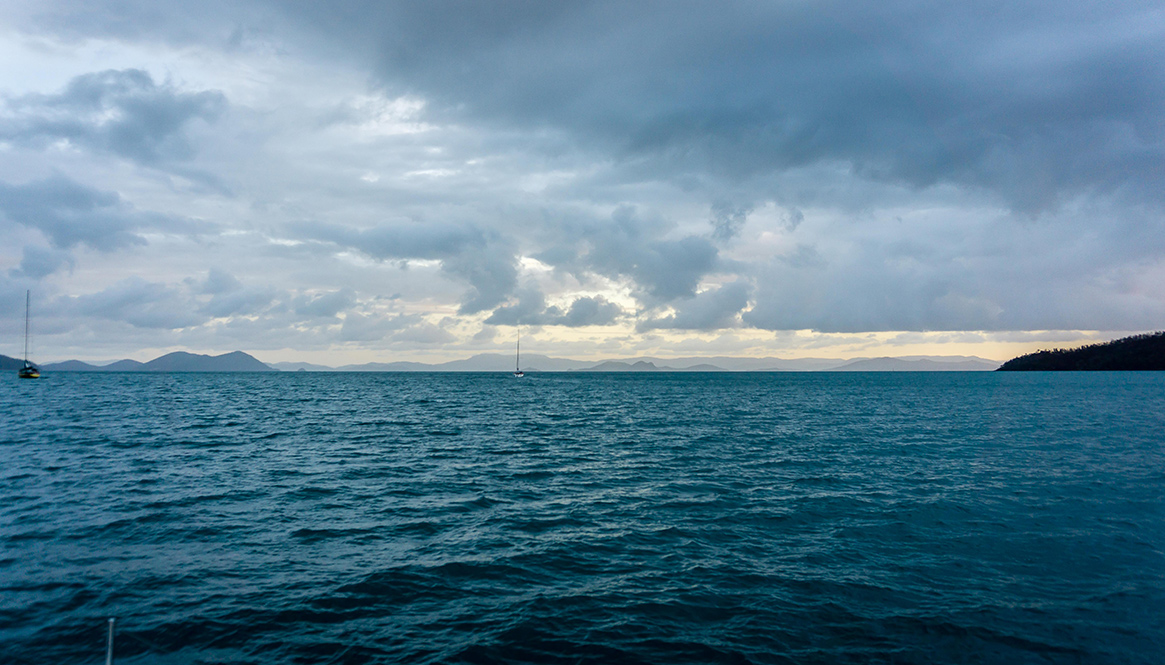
(1139,352)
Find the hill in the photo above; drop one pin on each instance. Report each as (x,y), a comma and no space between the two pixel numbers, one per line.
(300,367)
(72,366)
(647,366)
(178,361)
(494,362)
(10,364)
(617,366)
(920,365)
(1139,352)
(124,366)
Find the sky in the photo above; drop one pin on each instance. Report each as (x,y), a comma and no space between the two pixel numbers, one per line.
(351,182)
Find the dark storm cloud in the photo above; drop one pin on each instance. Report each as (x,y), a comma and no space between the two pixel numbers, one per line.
(123,112)
(710,310)
(665,269)
(530,310)
(69,213)
(1033,101)
(629,245)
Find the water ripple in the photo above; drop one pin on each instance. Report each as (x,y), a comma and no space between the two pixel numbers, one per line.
(584,518)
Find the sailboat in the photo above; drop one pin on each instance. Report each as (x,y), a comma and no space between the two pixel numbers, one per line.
(29,371)
(518,357)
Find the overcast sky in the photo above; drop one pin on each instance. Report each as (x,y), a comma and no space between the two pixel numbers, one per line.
(372,181)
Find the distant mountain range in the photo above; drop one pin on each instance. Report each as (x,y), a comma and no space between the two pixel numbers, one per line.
(1139,352)
(179,361)
(917,365)
(492,362)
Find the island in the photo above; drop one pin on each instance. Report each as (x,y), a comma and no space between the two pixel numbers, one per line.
(179,361)
(1139,352)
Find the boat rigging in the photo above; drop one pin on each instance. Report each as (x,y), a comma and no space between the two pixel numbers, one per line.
(29,371)
(518,356)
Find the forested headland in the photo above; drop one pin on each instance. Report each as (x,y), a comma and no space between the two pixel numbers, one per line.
(1139,352)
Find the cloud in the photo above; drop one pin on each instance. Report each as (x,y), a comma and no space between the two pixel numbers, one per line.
(491,274)
(590,311)
(38,262)
(708,310)
(630,246)
(359,327)
(531,310)
(325,305)
(867,288)
(140,303)
(123,112)
(727,220)
(666,269)
(396,329)
(989,277)
(888,166)
(402,240)
(424,333)
(1033,103)
(69,214)
(239,302)
(466,253)
(1045,336)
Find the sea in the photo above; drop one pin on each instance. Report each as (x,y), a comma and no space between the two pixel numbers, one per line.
(583,518)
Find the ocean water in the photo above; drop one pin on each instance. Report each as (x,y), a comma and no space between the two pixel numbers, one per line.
(583,518)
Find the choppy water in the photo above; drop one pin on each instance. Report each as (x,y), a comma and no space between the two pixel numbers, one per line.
(584,518)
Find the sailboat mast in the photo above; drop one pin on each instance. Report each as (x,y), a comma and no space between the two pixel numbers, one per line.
(518,352)
(27,307)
